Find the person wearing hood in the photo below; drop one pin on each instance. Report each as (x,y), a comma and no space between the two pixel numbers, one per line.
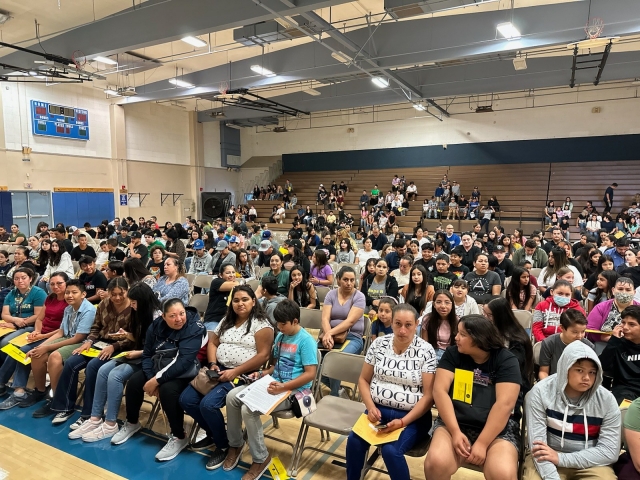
(573,421)
(168,365)
(546,316)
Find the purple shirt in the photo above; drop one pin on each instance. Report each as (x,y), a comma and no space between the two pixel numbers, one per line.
(321,273)
(339,313)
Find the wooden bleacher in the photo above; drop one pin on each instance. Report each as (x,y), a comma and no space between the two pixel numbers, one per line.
(521,190)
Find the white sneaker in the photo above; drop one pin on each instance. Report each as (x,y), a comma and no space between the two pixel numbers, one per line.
(86,427)
(78,423)
(125,433)
(100,433)
(173,447)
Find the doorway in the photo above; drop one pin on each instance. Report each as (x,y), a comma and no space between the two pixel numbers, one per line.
(31,208)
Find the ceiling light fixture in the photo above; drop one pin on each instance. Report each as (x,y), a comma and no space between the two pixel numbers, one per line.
(194,41)
(380,82)
(312,91)
(342,57)
(508,31)
(419,107)
(112,92)
(105,60)
(520,63)
(265,72)
(181,83)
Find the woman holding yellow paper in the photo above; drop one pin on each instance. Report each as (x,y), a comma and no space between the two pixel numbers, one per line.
(477,391)
(396,382)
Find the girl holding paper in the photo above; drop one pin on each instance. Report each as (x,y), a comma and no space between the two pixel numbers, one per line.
(396,383)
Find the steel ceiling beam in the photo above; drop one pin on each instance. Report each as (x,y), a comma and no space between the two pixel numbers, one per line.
(161,21)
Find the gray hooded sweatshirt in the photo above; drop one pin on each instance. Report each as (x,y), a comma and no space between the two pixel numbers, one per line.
(585,434)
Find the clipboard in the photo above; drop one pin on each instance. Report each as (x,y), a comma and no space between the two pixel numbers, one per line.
(367,431)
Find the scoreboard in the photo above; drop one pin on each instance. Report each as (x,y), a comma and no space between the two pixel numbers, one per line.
(57,121)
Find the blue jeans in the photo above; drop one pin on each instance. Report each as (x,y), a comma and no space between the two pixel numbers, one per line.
(439,354)
(205,409)
(109,388)
(354,346)
(392,453)
(187,263)
(4,341)
(19,371)
(64,398)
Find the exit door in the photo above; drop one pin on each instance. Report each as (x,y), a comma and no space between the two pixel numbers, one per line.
(31,208)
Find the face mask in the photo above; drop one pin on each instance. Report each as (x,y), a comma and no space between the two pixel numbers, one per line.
(623,297)
(561,301)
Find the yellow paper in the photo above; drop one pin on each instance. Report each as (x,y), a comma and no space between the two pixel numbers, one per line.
(463,385)
(94,352)
(21,340)
(367,431)
(277,470)
(589,330)
(625,403)
(314,332)
(17,354)
(5,331)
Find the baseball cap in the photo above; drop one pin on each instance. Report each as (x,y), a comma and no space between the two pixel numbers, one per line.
(198,245)
(264,246)
(266,234)
(294,242)
(234,239)
(135,234)
(221,245)
(498,248)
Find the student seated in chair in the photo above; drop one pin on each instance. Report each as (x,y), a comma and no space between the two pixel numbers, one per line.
(293,365)
(573,422)
(482,426)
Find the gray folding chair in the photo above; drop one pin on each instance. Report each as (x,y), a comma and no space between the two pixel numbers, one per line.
(333,414)
(254,284)
(311,319)
(321,293)
(200,302)
(525,318)
(203,281)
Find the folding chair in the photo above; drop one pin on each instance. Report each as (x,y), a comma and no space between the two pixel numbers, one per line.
(420,449)
(254,284)
(333,414)
(203,281)
(525,318)
(190,278)
(311,319)
(535,272)
(536,353)
(200,302)
(322,293)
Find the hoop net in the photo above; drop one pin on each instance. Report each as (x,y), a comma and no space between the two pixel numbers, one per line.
(79,60)
(223,88)
(594,27)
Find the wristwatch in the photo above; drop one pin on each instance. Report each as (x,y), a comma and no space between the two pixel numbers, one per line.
(210,364)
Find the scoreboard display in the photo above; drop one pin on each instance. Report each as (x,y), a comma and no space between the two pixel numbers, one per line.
(57,121)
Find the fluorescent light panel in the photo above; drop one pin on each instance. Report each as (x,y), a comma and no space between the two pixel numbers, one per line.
(262,71)
(342,57)
(181,83)
(312,91)
(105,60)
(381,82)
(419,106)
(111,91)
(194,41)
(508,31)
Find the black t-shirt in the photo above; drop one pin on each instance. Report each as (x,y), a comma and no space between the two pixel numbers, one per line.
(143,252)
(123,241)
(460,271)
(429,265)
(621,360)
(548,246)
(502,367)
(469,257)
(507,267)
(215,268)
(608,191)
(92,283)
(217,307)
(633,273)
(68,245)
(591,282)
(463,203)
(76,253)
(91,233)
(442,281)
(116,255)
(328,249)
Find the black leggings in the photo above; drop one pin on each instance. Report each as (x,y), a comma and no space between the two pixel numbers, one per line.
(169,399)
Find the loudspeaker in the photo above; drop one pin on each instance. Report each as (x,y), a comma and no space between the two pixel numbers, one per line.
(215,205)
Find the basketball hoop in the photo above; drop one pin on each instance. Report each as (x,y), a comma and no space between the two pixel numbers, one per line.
(79,60)
(594,27)
(223,88)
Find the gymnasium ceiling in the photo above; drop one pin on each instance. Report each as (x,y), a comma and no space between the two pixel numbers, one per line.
(437,55)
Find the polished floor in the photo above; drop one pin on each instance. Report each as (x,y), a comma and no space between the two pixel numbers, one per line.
(33,448)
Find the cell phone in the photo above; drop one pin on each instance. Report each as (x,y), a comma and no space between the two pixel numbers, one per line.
(213,374)
(381,426)
(247,379)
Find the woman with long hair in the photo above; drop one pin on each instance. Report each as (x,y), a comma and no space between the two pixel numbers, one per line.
(520,293)
(301,290)
(172,284)
(59,261)
(345,254)
(557,260)
(321,273)
(366,253)
(295,256)
(604,288)
(219,292)
(464,304)
(505,241)
(113,376)
(135,271)
(244,266)
(588,259)
(605,262)
(240,345)
(43,256)
(379,285)
(439,326)
(418,292)
(174,247)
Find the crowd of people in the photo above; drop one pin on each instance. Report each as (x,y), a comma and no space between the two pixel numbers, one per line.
(443,304)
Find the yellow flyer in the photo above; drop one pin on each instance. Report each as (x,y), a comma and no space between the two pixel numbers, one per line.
(94,352)
(6,330)
(17,354)
(367,431)
(21,340)
(277,470)
(463,385)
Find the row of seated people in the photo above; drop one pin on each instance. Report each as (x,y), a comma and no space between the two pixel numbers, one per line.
(482,430)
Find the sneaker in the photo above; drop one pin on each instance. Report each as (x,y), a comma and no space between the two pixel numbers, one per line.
(44,411)
(125,433)
(11,402)
(216,459)
(342,393)
(257,469)
(78,423)
(86,427)
(62,417)
(233,457)
(173,447)
(206,442)
(33,398)
(100,433)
